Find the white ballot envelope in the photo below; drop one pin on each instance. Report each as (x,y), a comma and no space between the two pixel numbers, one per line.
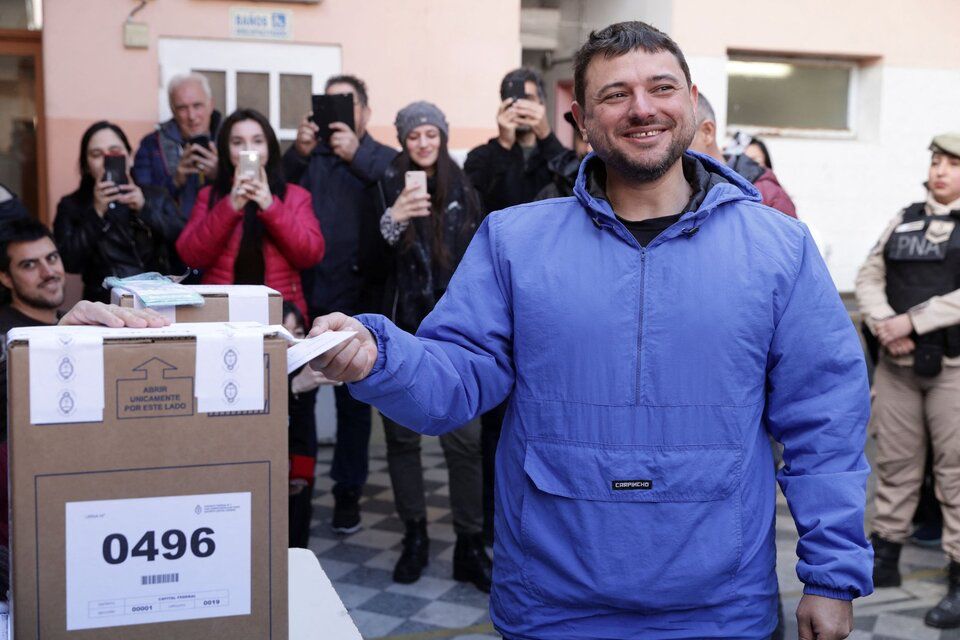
(303,351)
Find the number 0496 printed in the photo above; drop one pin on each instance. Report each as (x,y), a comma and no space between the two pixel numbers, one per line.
(144,560)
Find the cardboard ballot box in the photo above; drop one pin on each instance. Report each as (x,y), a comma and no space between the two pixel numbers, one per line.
(221,303)
(148,472)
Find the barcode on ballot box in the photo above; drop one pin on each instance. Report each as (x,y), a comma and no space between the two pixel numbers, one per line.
(160,578)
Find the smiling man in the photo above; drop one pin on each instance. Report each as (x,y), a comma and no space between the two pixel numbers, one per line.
(649,333)
(32,272)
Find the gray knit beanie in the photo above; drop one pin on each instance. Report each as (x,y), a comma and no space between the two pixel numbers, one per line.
(417,113)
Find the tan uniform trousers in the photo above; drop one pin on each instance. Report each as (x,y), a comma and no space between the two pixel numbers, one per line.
(907,411)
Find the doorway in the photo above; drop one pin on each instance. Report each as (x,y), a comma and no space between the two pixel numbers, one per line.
(22,145)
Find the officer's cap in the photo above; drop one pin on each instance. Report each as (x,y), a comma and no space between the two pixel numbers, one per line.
(946,143)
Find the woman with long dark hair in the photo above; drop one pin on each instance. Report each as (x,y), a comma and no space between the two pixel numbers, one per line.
(424,234)
(108,229)
(250,226)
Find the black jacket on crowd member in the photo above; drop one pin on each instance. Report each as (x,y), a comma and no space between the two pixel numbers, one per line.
(122,243)
(413,277)
(504,178)
(342,194)
(564,169)
(11,207)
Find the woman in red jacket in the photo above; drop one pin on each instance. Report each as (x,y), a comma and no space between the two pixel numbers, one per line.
(252,227)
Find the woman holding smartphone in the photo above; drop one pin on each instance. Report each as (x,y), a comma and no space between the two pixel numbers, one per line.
(431,212)
(109,226)
(250,226)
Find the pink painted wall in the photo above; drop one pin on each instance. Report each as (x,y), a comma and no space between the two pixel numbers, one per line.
(452,52)
(905,34)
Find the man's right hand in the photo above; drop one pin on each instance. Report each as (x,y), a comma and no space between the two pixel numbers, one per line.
(110,315)
(350,361)
(306,136)
(507,123)
(186,167)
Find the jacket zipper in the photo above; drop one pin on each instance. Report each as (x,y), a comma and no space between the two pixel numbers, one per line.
(643,281)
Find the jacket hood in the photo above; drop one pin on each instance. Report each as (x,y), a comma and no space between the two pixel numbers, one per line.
(726,186)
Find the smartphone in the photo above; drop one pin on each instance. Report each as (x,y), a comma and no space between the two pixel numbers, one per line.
(515,90)
(416,180)
(115,168)
(203,141)
(332,108)
(249,164)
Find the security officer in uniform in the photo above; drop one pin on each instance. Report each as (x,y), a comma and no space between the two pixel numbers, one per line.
(908,291)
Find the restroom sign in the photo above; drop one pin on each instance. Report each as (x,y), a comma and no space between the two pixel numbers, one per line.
(261,24)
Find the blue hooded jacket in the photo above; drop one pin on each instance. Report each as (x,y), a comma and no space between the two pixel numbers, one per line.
(634,480)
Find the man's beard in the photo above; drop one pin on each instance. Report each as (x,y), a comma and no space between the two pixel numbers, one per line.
(636,171)
(37,300)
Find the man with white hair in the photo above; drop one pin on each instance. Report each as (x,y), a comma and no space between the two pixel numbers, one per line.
(180,155)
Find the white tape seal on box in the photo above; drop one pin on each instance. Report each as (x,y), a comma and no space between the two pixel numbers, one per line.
(249,304)
(245,302)
(66,377)
(230,369)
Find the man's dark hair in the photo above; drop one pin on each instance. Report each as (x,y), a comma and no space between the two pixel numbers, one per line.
(620,39)
(359,86)
(21,230)
(523,75)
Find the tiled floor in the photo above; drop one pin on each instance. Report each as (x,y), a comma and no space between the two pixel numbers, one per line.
(360,565)
(436,607)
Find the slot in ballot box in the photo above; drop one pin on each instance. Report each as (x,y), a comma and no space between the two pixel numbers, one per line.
(221,303)
(148,482)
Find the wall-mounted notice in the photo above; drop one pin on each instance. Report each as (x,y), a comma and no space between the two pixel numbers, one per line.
(262,24)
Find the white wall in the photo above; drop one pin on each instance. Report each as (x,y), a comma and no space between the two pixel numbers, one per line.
(847,190)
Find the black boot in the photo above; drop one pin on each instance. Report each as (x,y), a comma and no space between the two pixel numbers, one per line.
(471,562)
(946,615)
(415,555)
(346,510)
(886,562)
